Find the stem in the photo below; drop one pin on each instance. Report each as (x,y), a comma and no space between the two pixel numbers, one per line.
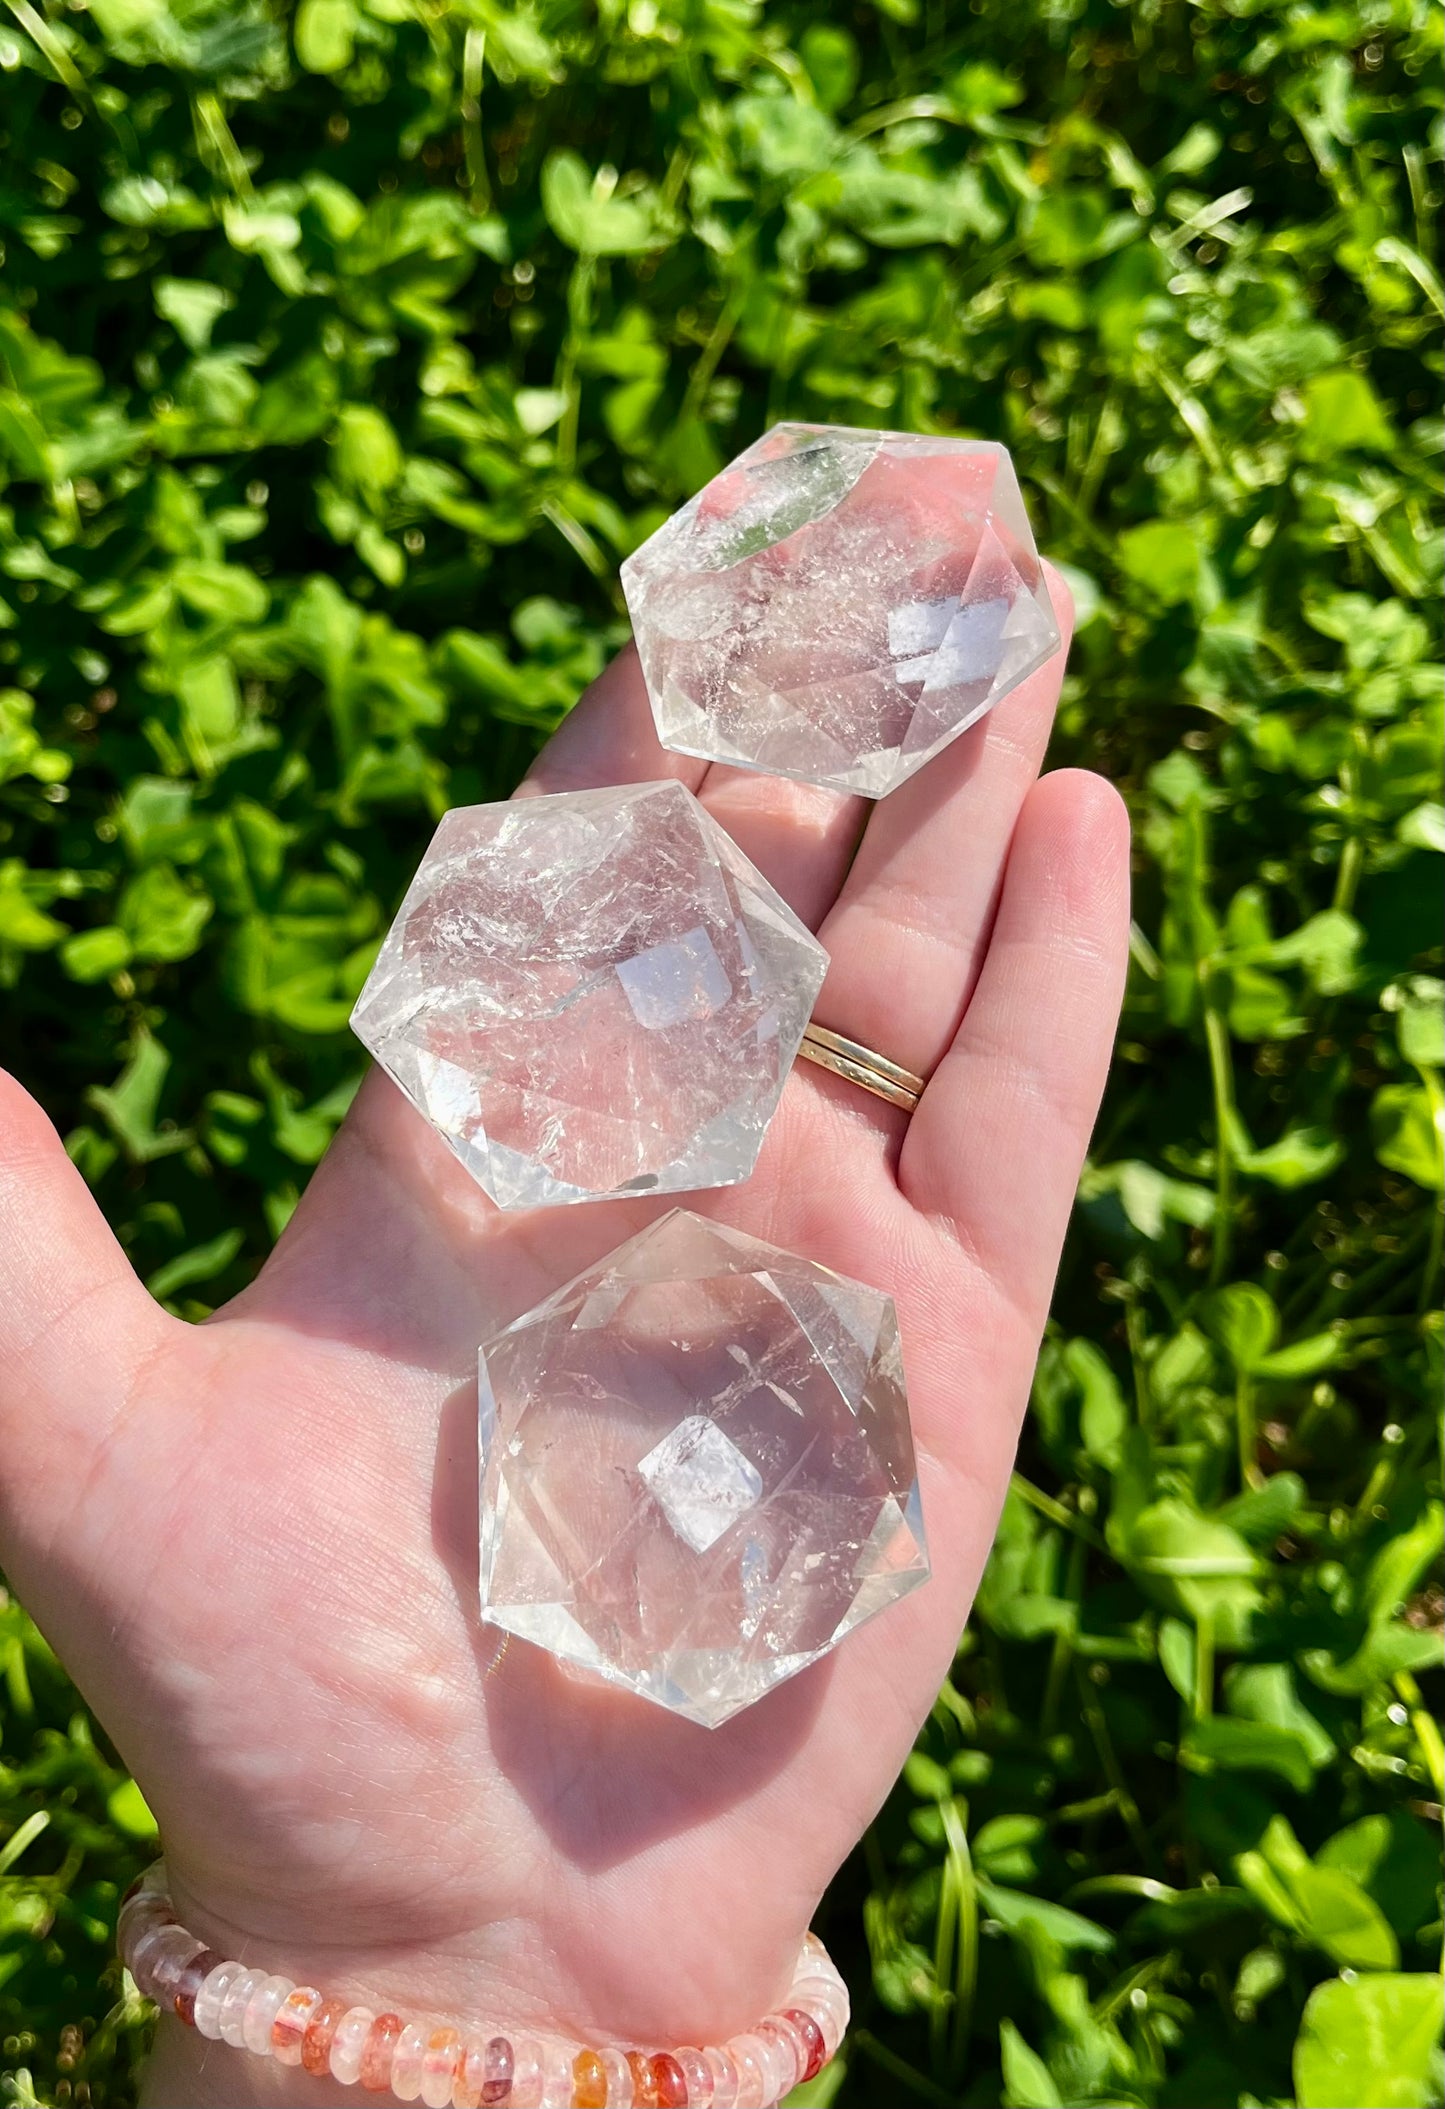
(676,176)
(998,1691)
(49,45)
(1436,1101)
(1192,415)
(1064,499)
(877,1861)
(1055,1511)
(1352,856)
(1373,1491)
(1063,1648)
(965,1981)
(25,1835)
(1136,1335)
(1203,1669)
(1427,1730)
(1059,1660)
(945,1931)
(1107,435)
(906,2075)
(1435,1253)
(479,187)
(707,359)
(17,1677)
(1103,1742)
(911,107)
(1245,1433)
(1221,1078)
(1418,180)
(212,129)
(1085,1811)
(1347,878)
(567,381)
(951,1705)
(576,536)
(1143,1886)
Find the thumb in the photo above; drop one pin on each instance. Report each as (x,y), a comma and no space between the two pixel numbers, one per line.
(76,1328)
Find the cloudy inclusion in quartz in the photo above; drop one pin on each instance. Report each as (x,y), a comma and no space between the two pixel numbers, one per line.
(837,605)
(697,1467)
(700,1480)
(592,993)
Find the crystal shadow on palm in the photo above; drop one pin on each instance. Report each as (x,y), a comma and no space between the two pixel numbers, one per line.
(698,1472)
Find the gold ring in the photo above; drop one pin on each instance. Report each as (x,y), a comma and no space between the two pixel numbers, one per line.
(860,1065)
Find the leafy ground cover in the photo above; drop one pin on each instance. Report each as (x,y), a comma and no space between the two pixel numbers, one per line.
(344,351)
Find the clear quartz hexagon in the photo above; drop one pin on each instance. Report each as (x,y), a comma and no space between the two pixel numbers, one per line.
(697,1467)
(592,993)
(838,604)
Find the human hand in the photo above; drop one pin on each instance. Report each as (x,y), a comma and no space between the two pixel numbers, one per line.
(254,1541)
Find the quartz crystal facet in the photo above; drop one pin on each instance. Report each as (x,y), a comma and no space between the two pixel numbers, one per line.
(590,994)
(697,1467)
(838,605)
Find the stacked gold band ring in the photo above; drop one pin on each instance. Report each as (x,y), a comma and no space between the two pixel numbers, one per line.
(861,1066)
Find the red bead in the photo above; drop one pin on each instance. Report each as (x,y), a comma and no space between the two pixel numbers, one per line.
(669,2085)
(194,1975)
(498,2082)
(812,2035)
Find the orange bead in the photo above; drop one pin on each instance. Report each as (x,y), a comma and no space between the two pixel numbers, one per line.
(377,2051)
(644,2094)
(589,2078)
(316,2043)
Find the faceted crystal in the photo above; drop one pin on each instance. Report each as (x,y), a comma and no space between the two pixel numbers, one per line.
(838,605)
(592,993)
(697,1467)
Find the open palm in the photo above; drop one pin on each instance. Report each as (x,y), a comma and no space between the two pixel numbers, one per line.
(254,1541)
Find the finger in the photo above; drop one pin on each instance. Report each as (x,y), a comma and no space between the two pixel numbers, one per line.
(799,837)
(608,737)
(997,1143)
(76,1327)
(911,925)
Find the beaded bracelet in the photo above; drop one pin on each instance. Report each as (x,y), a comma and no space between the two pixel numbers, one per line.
(449,2068)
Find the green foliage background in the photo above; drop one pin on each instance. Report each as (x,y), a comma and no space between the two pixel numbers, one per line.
(344,351)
